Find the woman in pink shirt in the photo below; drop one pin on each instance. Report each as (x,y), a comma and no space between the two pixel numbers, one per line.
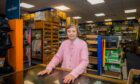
(72,54)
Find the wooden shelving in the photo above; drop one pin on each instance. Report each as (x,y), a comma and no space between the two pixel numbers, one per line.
(95,53)
(62,31)
(112,74)
(113,61)
(91,36)
(92,49)
(50,38)
(92,40)
(111,48)
(93,60)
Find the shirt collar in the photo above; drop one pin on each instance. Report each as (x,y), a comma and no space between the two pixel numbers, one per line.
(75,41)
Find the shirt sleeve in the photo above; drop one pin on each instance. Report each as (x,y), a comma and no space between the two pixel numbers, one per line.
(83,62)
(56,59)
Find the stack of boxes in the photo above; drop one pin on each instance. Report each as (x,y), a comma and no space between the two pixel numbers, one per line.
(113,60)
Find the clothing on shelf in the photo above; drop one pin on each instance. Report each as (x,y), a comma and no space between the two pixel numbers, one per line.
(5,44)
(36,45)
(27,45)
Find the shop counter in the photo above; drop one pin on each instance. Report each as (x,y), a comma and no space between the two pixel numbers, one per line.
(29,76)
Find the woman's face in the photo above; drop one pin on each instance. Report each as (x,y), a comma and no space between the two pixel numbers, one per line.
(72,33)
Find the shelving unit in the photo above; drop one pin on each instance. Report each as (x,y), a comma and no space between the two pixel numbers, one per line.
(50,38)
(95,56)
(55,37)
(62,31)
(113,58)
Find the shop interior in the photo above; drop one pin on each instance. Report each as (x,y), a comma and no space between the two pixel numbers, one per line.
(31,32)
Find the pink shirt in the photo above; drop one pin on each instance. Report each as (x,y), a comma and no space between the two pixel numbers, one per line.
(73,55)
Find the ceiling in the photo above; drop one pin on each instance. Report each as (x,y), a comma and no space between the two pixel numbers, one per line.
(113,9)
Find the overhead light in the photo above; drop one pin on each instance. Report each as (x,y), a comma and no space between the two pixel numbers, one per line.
(25,5)
(93,2)
(130,11)
(89,21)
(108,20)
(129,18)
(77,17)
(62,7)
(99,14)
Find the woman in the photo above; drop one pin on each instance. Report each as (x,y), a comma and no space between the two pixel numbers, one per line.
(72,54)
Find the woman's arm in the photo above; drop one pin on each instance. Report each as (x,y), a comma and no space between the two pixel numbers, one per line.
(56,59)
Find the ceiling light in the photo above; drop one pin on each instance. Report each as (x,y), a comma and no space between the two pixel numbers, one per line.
(76,17)
(99,14)
(130,11)
(93,2)
(25,5)
(89,21)
(128,18)
(62,7)
(108,20)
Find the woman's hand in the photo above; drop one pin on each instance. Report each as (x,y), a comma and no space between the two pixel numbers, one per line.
(43,72)
(68,79)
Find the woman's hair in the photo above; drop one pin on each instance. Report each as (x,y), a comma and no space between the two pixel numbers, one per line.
(73,26)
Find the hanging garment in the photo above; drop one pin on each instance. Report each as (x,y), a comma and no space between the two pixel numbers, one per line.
(3,52)
(4,24)
(36,45)
(28,35)
(5,41)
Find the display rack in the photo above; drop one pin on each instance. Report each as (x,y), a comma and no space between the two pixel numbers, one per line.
(112,58)
(62,31)
(95,53)
(50,38)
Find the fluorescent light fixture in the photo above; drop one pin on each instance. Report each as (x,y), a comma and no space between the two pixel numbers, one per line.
(99,14)
(77,17)
(129,18)
(89,21)
(62,7)
(93,2)
(25,5)
(130,11)
(108,20)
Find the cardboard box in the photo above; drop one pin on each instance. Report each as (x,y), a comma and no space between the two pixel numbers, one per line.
(39,16)
(131,75)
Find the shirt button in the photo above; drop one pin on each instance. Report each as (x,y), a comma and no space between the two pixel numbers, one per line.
(69,66)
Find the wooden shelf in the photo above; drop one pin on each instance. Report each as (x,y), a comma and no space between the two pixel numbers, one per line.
(92,70)
(36,58)
(111,48)
(93,60)
(102,30)
(112,63)
(112,74)
(62,26)
(92,49)
(91,36)
(55,38)
(91,42)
